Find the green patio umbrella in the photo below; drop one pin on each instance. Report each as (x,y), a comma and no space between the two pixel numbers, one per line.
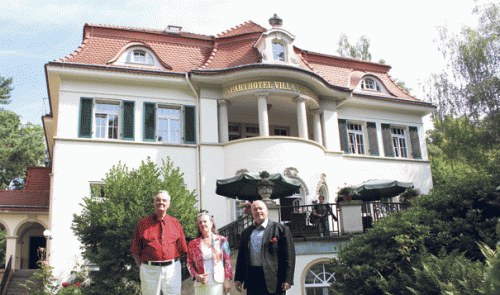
(376,189)
(244,186)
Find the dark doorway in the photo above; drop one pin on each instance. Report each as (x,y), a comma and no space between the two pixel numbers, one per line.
(35,243)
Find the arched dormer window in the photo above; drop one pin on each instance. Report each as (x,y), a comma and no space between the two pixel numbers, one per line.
(279,52)
(371,85)
(140,56)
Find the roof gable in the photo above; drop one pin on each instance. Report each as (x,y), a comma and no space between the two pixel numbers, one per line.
(34,196)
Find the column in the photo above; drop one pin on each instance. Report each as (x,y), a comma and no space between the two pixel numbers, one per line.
(318,135)
(11,244)
(301,116)
(350,217)
(263,117)
(223,121)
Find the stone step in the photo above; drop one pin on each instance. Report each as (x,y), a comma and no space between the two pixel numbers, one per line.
(18,279)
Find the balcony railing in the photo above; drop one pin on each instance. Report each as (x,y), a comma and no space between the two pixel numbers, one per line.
(298,219)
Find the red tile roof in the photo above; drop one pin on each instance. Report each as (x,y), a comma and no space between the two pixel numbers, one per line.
(184,52)
(35,195)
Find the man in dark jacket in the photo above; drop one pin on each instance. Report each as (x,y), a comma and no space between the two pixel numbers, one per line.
(320,213)
(266,256)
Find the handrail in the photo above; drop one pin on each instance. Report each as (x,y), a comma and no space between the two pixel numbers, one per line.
(232,231)
(298,219)
(6,275)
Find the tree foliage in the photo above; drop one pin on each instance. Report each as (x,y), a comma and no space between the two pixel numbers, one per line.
(462,211)
(470,86)
(359,51)
(108,220)
(20,146)
(5,89)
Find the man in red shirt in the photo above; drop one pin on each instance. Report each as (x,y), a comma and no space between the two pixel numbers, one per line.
(157,246)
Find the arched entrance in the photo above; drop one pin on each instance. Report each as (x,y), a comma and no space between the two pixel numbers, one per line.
(29,239)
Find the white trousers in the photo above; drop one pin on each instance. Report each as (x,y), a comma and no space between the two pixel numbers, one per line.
(156,278)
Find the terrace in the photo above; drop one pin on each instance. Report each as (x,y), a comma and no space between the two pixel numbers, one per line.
(297,218)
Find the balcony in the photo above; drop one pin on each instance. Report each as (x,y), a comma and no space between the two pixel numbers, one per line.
(297,218)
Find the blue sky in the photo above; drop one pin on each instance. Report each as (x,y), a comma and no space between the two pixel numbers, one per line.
(402,33)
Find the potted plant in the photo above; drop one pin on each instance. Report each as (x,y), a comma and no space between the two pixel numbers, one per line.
(347,192)
(246,207)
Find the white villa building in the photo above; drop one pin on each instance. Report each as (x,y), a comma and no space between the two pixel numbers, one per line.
(245,100)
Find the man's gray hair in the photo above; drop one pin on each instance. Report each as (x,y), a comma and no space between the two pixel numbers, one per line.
(163,193)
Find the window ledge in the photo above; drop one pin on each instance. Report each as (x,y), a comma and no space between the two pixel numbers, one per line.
(120,141)
(385,158)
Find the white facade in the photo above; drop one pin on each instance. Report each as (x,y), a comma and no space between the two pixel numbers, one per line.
(278,119)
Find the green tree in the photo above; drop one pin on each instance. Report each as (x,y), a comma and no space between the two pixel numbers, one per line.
(359,51)
(470,86)
(462,211)
(5,89)
(109,217)
(20,146)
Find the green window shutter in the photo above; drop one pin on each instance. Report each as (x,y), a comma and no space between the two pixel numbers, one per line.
(128,120)
(149,121)
(415,143)
(372,138)
(387,138)
(85,120)
(189,124)
(344,144)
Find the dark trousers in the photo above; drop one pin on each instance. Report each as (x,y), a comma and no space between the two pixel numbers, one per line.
(256,284)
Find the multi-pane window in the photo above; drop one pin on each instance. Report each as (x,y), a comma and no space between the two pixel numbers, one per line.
(399,142)
(109,119)
(355,136)
(169,124)
(234,131)
(370,84)
(140,56)
(97,191)
(106,120)
(252,131)
(318,279)
(281,131)
(278,51)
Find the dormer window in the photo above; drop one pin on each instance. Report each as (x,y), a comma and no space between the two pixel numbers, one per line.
(140,56)
(370,84)
(279,51)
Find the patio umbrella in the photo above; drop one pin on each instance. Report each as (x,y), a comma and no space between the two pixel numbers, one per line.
(244,186)
(376,189)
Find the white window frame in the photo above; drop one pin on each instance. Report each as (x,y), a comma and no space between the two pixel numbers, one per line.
(399,141)
(106,114)
(279,55)
(234,134)
(98,185)
(140,56)
(324,278)
(280,128)
(356,138)
(371,84)
(169,118)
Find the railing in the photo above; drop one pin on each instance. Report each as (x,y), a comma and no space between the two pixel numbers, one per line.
(232,231)
(298,219)
(6,275)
